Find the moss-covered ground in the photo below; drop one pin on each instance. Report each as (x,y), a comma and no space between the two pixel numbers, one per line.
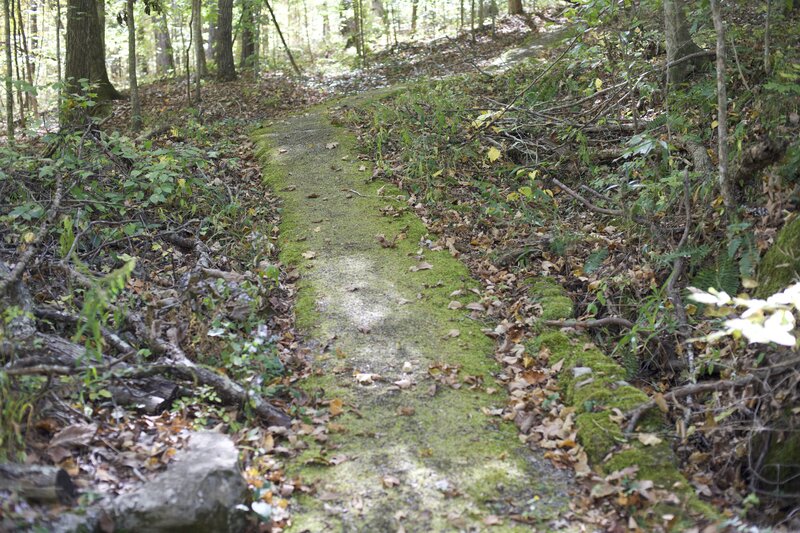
(599,394)
(385,313)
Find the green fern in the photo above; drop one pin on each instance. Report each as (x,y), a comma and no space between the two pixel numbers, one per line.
(594,260)
(723,276)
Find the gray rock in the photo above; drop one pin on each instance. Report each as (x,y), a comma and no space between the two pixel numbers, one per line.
(198,492)
(579,371)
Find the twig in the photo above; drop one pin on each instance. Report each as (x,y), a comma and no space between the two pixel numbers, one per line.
(599,323)
(62,316)
(688,390)
(40,370)
(26,257)
(587,203)
(690,57)
(536,80)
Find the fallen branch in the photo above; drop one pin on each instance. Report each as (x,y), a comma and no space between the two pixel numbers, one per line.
(688,390)
(599,323)
(587,203)
(25,258)
(37,483)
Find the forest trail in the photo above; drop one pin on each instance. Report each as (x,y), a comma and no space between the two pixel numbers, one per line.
(414,440)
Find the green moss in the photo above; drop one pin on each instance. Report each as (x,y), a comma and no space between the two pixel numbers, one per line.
(600,393)
(556,305)
(781,471)
(448,433)
(781,264)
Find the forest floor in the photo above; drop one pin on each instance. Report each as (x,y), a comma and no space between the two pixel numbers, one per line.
(415,440)
(401,331)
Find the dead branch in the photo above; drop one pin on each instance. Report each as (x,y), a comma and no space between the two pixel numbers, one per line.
(25,258)
(599,323)
(710,54)
(688,390)
(55,315)
(587,203)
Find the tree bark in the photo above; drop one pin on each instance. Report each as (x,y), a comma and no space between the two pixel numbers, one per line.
(726,187)
(9,72)
(165,57)
(515,7)
(226,70)
(136,109)
(85,58)
(679,41)
(197,38)
(248,49)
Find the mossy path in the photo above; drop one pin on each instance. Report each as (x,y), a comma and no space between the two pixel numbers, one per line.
(410,450)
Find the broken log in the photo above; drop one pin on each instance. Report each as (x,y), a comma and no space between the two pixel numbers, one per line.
(151,395)
(37,483)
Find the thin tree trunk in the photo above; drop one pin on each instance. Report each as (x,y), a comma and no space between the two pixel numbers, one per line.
(308,35)
(248,48)
(165,56)
(414,8)
(136,109)
(727,189)
(280,34)
(326,22)
(19,72)
(9,72)
(197,40)
(472,18)
(58,51)
(767,66)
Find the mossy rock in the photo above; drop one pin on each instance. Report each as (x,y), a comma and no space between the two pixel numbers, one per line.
(594,385)
(781,264)
(780,472)
(556,305)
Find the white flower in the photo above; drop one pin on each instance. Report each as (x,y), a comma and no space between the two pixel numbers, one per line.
(712,297)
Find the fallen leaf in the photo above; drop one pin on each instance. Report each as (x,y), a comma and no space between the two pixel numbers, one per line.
(455,304)
(74,435)
(493,520)
(336,407)
(421,266)
(331,146)
(648,439)
(309,254)
(404,383)
(453,333)
(390,481)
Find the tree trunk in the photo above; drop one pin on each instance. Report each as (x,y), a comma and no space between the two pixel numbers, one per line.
(85,58)
(326,22)
(679,41)
(101,17)
(165,58)
(136,109)
(197,39)
(248,49)
(515,7)
(726,187)
(226,71)
(211,42)
(9,72)
(414,7)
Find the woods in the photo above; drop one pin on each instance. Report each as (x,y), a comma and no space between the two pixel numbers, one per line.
(307,246)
